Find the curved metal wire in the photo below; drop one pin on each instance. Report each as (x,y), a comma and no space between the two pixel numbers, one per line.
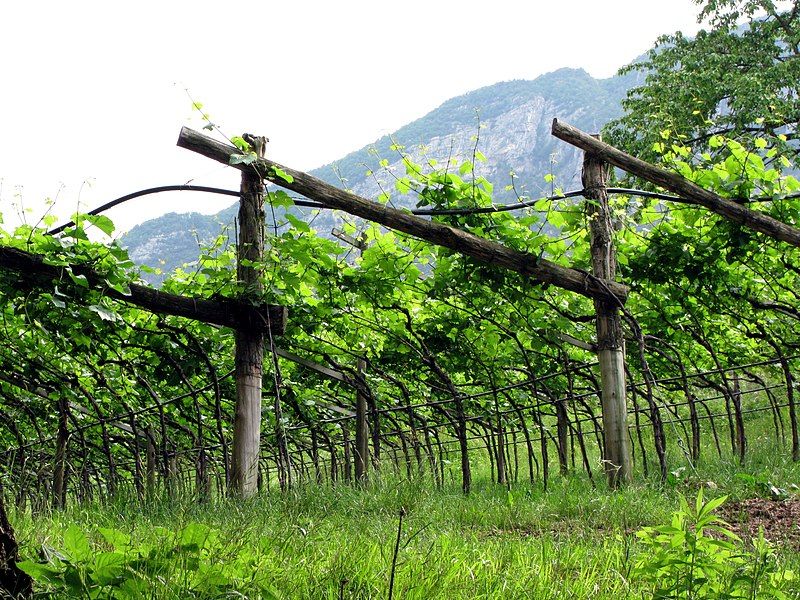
(419,212)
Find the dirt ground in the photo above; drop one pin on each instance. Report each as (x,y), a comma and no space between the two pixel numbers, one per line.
(780,519)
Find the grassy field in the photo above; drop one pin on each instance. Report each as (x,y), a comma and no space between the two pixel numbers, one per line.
(573,541)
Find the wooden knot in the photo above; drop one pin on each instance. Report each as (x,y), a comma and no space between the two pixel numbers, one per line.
(257,142)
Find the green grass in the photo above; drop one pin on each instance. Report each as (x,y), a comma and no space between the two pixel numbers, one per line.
(314,542)
(573,541)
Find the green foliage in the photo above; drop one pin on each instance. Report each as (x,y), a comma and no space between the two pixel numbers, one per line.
(763,487)
(697,556)
(707,293)
(280,173)
(243,159)
(739,81)
(241,144)
(189,563)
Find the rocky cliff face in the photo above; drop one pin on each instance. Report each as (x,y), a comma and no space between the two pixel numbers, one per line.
(517,140)
(172,240)
(509,121)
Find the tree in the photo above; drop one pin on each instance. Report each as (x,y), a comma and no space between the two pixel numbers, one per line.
(739,80)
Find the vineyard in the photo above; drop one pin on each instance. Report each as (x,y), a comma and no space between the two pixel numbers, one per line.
(631,330)
(399,354)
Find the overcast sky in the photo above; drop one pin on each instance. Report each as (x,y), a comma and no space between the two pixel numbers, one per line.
(94,93)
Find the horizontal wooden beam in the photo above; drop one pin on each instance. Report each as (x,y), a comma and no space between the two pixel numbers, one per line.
(225,312)
(359,244)
(673,182)
(482,250)
(113,422)
(317,368)
(325,372)
(565,337)
(337,409)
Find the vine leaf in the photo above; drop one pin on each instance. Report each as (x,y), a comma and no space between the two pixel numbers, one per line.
(243,159)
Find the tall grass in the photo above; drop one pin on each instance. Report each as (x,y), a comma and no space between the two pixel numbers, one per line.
(320,541)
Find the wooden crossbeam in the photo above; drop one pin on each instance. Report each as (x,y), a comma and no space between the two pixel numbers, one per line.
(687,190)
(226,312)
(565,337)
(482,250)
(321,370)
(317,368)
(113,422)
(359,244)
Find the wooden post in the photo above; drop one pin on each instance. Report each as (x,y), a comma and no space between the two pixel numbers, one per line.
(60,467)
(610,343)
(687,191)
(362,428)
(736,397)
(203,477)
(789,379)
(249,342)
(348,463)
(502,478)
(562,428)
(362,431)
(150,465)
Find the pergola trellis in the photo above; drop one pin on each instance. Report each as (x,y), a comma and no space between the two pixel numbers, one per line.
(608,295)
(253,323)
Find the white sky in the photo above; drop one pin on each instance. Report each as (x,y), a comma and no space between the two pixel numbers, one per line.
(93,93)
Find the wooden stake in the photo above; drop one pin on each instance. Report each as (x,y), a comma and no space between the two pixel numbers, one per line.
(150,468)
(249,342)
(362,431)
(60,467)
(610,343)
(362,427)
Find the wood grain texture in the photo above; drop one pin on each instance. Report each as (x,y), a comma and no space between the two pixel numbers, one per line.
(249,359)
(362,430)
(618,463)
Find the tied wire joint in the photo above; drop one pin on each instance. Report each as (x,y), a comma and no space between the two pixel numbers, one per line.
(257,142)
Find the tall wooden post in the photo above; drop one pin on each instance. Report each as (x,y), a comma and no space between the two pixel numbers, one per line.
(150,465)
(60,466)
(348,463)
(362,431)
(249,344)
(562,428)
(610,343)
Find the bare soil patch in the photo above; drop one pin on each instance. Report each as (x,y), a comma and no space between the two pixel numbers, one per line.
(778,518)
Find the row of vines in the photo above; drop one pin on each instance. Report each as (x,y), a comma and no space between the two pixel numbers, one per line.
(460,364)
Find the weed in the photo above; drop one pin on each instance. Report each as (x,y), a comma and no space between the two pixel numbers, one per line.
(698,556)
(190,563)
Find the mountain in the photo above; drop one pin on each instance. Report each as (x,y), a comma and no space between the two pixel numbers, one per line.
(510,119)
